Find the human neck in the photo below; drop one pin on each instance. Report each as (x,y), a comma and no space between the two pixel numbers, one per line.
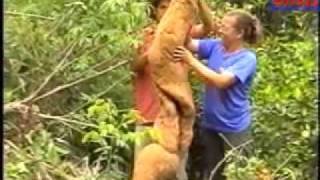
(233,47)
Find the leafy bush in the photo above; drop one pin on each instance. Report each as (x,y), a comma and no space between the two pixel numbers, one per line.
(69,59)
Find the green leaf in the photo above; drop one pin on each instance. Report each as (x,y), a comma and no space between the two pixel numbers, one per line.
(91,136)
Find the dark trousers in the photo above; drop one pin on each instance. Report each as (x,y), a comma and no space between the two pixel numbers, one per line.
(216,144)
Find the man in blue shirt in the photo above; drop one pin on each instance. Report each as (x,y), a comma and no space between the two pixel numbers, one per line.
(228,77)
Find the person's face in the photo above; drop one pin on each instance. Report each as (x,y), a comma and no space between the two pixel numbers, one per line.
(228,31)
(161,9)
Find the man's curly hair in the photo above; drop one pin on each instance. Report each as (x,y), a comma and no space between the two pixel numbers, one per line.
(154,4)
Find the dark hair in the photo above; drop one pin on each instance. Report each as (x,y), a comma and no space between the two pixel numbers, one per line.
(154,4)
(249,24)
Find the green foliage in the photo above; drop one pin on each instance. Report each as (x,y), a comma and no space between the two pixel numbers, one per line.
(91,131)
(44,157)
(247,169)
(285,105)
(111,130)
(37,159)
(90,34)
(107,130)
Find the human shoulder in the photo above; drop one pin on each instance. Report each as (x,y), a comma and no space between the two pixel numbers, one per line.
(245,58)
(250,55)
(147,35)
(149,28)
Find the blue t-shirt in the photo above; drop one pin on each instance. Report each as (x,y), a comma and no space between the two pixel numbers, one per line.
(227,110)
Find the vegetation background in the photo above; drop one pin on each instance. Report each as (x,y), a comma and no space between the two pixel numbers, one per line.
(68,97)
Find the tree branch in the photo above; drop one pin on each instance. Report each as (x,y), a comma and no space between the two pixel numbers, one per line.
(16,106)
(29,15)
(213,172)
(281,166)
(59,118)
(61,19)
(65,86)
(100,94)
(86,53)
(50,76)
(22,108)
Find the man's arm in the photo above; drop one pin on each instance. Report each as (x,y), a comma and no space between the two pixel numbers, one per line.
(209,25)
(206,17)
(139,61)
(201,30)
(141,55)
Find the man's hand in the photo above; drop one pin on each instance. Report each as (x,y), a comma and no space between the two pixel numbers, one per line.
(141,55)
(182,54)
